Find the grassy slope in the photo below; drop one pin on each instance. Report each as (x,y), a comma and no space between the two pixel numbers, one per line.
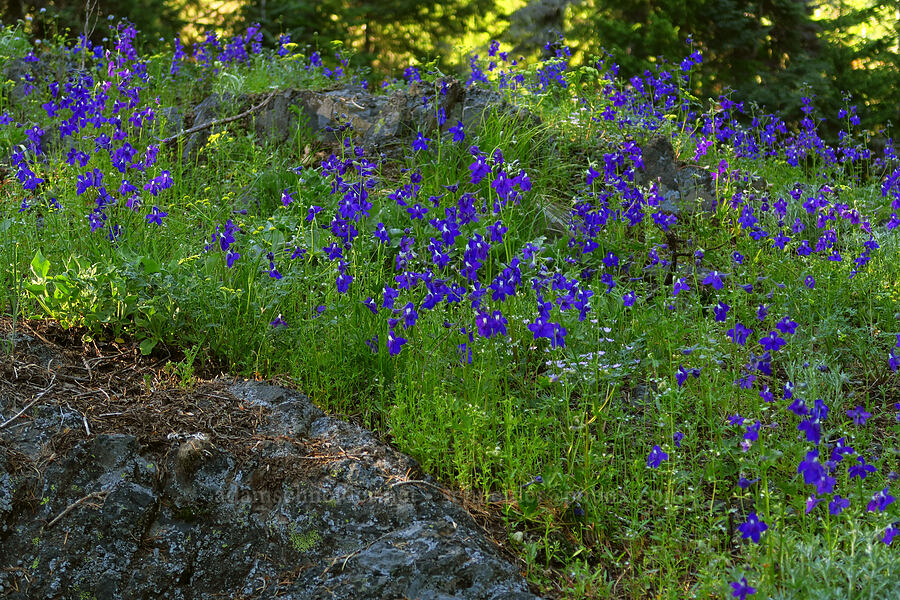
(556,439)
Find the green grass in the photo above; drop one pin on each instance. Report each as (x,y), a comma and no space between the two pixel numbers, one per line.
(584,417)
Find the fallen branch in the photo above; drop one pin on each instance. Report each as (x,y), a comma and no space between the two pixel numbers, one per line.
(329,457)
(420,482)
(247,112)
(18,414)
(74,505)
(347,557)
(29,405)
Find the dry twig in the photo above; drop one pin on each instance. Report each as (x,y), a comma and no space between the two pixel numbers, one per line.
(247,112)
(74,505)
(29,405)
(420,482)
(90,9)
(347,557)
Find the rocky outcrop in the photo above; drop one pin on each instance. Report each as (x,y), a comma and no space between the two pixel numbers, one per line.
(303,507)
(377,121)
(685,189)
(211,109)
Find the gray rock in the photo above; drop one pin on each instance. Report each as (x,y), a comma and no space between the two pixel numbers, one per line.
(276,123)
(685,189)
(378,122)
(479,103)
(7,492)
(212,108)
(51,66)
(305,507)
(18,70)
(171,119)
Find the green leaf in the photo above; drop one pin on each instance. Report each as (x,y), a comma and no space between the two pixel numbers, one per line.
(40,265)
(148,345)
(38,289)
(150,265)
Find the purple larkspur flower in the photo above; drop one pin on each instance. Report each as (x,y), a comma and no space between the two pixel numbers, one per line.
(772,342)
(786,326)
(739,333)
(156,216)
(753,528)
(457,130)
(714,279)
(656,457)
(837,505)
(745,483)
(880,501)
(409,315)
(862,469)
(890,532)
(395,343)
(859,415)
(421,142)
(741,589)
(312,212)
(812,502)
(812,429)
(720,311)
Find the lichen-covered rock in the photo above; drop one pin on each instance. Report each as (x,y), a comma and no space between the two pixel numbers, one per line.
(171,120)
(7,493)
(212,108)
(684,189)
(24,76)
(376,121)
(306,507)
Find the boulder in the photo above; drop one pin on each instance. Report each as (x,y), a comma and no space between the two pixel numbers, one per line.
(685,189)
(377,121)
(303,506)
(171,120)
(212,108)
(19,71)
(380,121)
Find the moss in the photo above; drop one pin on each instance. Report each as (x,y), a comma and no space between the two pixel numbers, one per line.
(303,541)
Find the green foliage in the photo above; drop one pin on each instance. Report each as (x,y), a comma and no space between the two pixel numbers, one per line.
(13,43)
(861,568)
(45,20)
(861,48)
(387,35)
(183,371)
(303,541)
(553,439)
(770,53)
(743,46)
(97,295)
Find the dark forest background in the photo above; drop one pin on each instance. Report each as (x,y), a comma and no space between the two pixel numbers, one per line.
(768,52)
